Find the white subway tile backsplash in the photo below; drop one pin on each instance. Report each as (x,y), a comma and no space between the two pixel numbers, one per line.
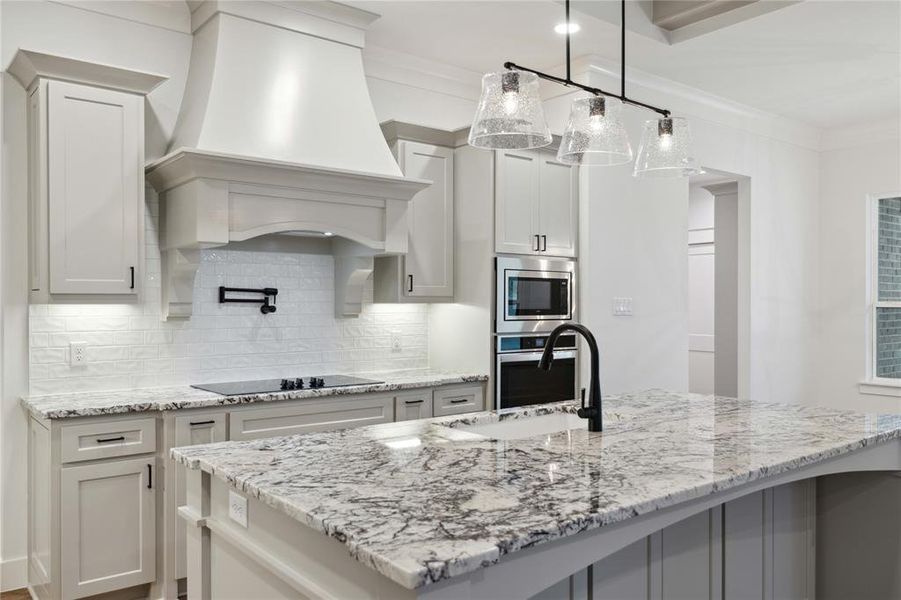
(130,347)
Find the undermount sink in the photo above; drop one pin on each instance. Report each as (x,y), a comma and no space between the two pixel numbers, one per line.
(526,427)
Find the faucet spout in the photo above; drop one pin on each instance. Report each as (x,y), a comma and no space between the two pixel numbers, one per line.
(593,411)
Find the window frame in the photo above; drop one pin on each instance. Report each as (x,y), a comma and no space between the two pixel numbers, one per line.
(872,384)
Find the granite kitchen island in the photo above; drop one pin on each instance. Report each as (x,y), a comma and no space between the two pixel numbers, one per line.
(466,507)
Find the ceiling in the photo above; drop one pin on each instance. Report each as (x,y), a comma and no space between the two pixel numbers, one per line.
(829,63)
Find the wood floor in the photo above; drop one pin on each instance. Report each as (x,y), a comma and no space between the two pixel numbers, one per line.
(21,594)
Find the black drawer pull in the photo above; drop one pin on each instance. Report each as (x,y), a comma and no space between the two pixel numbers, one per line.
(120,438)
(459,400)
(410,288)
(132,286)
(149,477)
(196,423)
(413,402)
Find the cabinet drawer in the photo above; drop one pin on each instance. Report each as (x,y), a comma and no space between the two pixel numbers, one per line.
(456,400)
(304,417)
(415,405)
(107,439)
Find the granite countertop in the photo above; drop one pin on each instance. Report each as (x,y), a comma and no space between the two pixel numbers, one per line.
(87,404)
(420,502)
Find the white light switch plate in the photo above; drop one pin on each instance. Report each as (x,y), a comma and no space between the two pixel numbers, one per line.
(396,345)
(622,307)
(237,508)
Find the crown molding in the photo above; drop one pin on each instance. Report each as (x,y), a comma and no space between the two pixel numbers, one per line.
(862,135)
(413,71)
(29,65)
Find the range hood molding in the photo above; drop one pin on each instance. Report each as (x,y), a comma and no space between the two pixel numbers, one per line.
(276,133)
(210,199)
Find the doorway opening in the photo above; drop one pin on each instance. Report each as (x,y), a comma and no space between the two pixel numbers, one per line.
(717,283)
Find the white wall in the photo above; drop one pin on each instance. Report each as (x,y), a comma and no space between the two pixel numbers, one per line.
(638,235)
(868,165)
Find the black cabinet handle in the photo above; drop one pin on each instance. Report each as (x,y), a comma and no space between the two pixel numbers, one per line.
(149,477)
(132,269)
(537,243)
(196,423)
(413,402)
(544,243)
(120,438)
(459,400)
(410,287)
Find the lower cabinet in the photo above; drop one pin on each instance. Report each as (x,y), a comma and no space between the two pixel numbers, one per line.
(108,526)
(94,486)
(455,400)
(760,546)
(307,416)
(416,405)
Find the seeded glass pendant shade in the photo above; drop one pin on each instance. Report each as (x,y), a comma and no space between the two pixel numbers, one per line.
(595,134)
(510,115)
(665,149)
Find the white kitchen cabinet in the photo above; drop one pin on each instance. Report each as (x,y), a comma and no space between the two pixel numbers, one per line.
(289,418)
(455,400)
(87,196)
(108,533)
(536,204)
(190,429)
(757,546)
(426,272)
(85,176)
(413,405)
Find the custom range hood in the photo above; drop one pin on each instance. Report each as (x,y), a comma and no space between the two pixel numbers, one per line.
(277,134)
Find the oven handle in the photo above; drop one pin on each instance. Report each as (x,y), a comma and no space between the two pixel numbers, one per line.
(533,356)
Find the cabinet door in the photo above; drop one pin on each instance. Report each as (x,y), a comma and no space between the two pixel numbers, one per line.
(191,430)
(95,196)
(107,533)
(516,201)
(429,262)
(413,406)
(558,207)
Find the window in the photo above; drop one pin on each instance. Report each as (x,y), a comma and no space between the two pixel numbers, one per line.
(885,309)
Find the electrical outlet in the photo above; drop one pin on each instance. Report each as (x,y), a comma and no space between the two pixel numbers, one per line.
(237,508)
(396,345)
(622,307)
(78,353)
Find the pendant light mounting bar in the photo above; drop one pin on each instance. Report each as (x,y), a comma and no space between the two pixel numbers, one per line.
(568,82)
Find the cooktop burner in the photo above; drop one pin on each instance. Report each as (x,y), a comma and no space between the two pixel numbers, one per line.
(265,386)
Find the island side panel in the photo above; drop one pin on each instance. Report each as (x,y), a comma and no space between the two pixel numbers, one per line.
(274,546)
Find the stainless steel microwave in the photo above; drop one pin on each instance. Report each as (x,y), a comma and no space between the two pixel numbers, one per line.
(534,294)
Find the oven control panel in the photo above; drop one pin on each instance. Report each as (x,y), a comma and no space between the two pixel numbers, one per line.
(524,343)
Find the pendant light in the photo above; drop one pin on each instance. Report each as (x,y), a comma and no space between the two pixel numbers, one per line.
(665,149)
(510,114)
(595,134)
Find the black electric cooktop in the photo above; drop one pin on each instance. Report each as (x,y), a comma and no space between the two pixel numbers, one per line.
(265,386)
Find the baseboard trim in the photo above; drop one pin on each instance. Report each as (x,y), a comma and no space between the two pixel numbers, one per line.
(13,574)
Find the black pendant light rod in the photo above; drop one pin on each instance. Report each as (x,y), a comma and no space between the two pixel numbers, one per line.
(568,82)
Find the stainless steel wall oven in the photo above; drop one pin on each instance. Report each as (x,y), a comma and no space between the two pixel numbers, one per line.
(519,380)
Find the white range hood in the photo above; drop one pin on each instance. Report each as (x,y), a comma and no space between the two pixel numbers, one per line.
(277,133)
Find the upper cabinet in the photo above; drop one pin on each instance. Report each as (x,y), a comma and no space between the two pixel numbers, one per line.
(426,272)
(86,176)
(536,204)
